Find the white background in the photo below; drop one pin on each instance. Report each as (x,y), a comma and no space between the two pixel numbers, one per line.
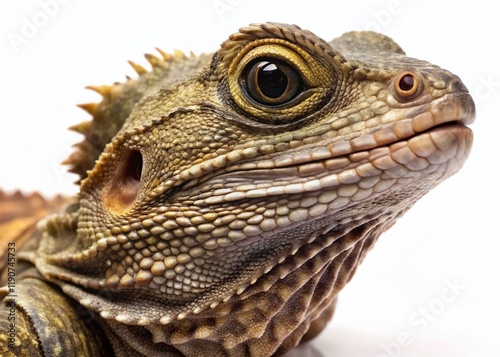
(395,304)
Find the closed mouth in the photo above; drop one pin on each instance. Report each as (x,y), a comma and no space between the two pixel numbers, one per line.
(436,134)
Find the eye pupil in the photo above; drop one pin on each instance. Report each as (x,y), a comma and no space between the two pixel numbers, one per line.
(407,86)
(272,81)
(407,82)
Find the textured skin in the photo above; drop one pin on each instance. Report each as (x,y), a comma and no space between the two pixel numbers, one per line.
(214,225)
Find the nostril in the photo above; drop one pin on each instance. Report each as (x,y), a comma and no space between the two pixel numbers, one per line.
(457,85)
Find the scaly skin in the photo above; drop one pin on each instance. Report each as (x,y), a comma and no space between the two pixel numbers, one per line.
(226,210)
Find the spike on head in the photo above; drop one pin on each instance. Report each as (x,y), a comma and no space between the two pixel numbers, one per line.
(179,55)
(166,56)
(153,60)
(103,90)
(73,160)
(82,127)
(90,108)
(140,70)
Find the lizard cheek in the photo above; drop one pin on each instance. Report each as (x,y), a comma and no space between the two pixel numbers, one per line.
(122,189)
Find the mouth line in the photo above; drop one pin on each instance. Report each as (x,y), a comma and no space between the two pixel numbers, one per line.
(437,146)
(452,112)
(449,124)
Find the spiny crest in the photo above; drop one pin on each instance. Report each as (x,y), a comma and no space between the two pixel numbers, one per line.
(109,115)
(140,70)
(157,63)
(103,90)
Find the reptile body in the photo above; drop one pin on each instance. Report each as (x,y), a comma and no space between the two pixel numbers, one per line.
(226,199)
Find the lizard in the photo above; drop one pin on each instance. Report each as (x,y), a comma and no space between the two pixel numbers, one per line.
(225,199)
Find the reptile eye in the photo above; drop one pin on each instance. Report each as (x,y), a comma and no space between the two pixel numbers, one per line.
(406,85)
(124,185)
(277,82)
(272,82)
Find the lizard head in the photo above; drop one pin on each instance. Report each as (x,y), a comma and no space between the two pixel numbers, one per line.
(270,167)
